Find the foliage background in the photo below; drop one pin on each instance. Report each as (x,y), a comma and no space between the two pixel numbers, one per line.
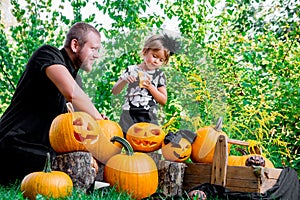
(239,60)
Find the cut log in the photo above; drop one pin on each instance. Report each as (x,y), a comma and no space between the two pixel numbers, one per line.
(171,177)
(80,166)
(99,176)
(156,156)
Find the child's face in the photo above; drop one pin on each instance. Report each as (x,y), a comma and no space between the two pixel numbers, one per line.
(154,59)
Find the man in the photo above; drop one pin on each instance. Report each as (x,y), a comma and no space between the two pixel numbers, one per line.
(48,82)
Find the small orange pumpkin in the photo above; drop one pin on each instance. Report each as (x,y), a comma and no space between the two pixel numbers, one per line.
(73,131)
(176,148)
(133,172)
(203,147)
(51,184)
(145,137)
(103,149)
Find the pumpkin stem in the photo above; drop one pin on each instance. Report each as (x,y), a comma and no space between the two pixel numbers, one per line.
(47,167)
(124,143)
(70,107)
(219,124)
(242,151)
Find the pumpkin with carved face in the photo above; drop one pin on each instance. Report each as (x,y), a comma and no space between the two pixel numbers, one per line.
(73,131)
(176,148)
(145,137)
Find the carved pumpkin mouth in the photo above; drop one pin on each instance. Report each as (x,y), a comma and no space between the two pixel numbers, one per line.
(82,131)
(139,142)
(177,155)
(87,139)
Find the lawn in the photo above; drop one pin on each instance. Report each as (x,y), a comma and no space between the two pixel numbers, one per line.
(13,192)
(108,193)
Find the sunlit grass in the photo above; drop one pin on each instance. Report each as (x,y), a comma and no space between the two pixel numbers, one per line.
(13,192)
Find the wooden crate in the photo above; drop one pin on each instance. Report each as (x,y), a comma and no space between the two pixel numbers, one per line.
(238,179)
(234,178)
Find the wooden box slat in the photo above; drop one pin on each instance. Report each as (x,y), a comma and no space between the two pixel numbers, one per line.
(239,178)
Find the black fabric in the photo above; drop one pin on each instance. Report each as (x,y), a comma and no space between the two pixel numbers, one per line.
(140,115)
(24,126)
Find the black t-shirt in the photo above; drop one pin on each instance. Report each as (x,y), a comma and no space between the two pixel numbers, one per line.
(35,103)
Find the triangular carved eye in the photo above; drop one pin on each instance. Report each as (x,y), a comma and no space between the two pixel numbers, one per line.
(137,129)
(155,131)
(78,122)
(90,127)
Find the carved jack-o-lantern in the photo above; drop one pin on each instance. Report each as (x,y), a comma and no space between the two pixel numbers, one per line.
(177,148)
(73,131)
(145,137)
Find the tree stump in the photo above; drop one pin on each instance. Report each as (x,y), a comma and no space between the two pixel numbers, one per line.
(80,166)
(156,156)
(99,176)
(171,177)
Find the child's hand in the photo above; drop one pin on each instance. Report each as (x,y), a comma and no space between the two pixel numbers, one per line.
(147,83)
(130,79)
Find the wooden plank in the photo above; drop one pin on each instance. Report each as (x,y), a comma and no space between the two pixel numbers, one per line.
(238,142)
(219,165)
(198,168)
(241,172)
(239,178)
(244,183)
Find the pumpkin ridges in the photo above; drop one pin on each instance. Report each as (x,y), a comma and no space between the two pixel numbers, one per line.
(55,184)
(241,160)
(107,125)
(143,139)
(203,146)
(62,130)
(103,149)
(63,121)
(130,171)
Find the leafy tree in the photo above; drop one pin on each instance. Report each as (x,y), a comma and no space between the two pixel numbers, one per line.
(238,60)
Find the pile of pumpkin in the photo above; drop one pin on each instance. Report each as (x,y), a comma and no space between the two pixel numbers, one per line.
(127,166)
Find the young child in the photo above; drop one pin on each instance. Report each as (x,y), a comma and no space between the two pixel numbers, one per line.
(146,83)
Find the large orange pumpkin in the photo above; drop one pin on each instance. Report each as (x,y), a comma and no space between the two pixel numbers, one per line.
(133,172)
(48,183)
(203,147)
(73,131)
(103,149)
(145,137)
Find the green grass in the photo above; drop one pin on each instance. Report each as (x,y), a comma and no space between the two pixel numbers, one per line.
(13,192)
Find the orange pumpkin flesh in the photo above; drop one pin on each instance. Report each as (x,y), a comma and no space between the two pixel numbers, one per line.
(103,149)
(72,131)
(203,147)
(145,137)
(54,184)
(133,172)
